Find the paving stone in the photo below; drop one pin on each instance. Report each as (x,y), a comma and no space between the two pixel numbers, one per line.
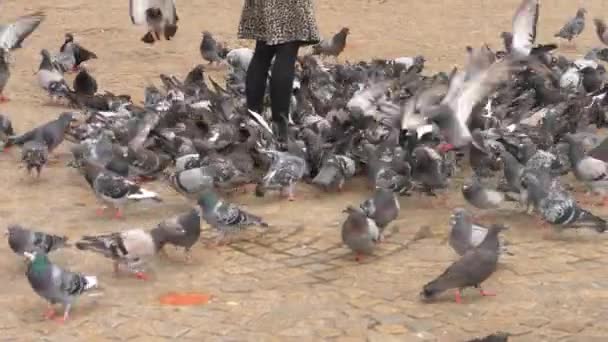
(572,326)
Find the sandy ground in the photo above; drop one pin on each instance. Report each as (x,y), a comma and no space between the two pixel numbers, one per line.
(295,282)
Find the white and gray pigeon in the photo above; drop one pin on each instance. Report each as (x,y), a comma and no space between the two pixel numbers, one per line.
(480,196)
(285,171)
(240,58)
(12,35)
(383,208)
(159,16)
(574,27)
(555,205)
(591,171)
(191,182)
(473,268)
(359,232)
(335,170)
(225,217)
(21,240)
(55,284)
(464,234)
(113,189)
(49,73)
(183,230)
(132,248)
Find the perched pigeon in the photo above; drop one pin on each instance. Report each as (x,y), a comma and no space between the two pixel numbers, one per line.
(600,29)
(464,234)
(113,189)
(227,218)
(359,232)
(130,248)
(284,172)
(24,240)
(159,16)
(481,197)
(35,155)
(383,208)
(333,46)
(84,83)
(472,269)
(593,172)
(183,230)
(55,284)
(5,73)
(574,27)
(13,35)
(211,50)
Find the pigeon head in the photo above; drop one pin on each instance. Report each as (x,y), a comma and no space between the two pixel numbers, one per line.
(459,215)
(45,54)
(345,31)
(208,200)
(154,13)
(581,13)
(69,38)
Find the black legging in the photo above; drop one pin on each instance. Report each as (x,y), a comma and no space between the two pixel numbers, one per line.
(281,83)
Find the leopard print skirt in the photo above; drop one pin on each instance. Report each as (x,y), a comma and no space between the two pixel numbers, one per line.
(279,21)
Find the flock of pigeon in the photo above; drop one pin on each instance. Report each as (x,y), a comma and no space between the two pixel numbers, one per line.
(522,117)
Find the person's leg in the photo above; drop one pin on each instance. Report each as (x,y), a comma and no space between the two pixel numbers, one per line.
(281,84)
(257,74)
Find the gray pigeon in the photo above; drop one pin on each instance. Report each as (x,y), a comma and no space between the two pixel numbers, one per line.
(240,58)
(284,172)
(383,208)
(464,234)
(600,29)
(472,269)
(335,170)
(512,170)
(35,155)
(191,182)
(593,172)
(225,217)
(160,16)
(427,169)
(13,35)
(359,232)
(49,73)
(79,53)
(183,230)
(210,49)
(24,240)
(130,248)
(333,46)
(55,284)
(6,130)
(51,133)
(574,27)
(480,196)
(5,73)
(84,83)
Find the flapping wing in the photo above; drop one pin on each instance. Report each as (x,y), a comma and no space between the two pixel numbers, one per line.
(11,36)
(524,26)
(137,10)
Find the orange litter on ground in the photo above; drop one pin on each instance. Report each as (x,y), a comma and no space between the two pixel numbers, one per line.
(185,299)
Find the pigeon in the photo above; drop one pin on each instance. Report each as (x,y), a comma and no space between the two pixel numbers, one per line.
(464,234)
(591,171)
(35,155)
(555,205)
(392,173)
(13,35)
(335,170)
(479,196)
(512,170)
(159,16)
(427,169)
(593,78)
(600,29)
(574,27)
(55,284)
(211,50)
(472,269)
(333,46)
(79,53)
(130,248)
(525,20)
(240,58)
(359,232)
(496,337)
(113,189)
(24,240)
(383,208)
(84,83)
(284,172)
(5,73)
(226,217)
(51,133)
(191,182)
(183,230)
(49,73)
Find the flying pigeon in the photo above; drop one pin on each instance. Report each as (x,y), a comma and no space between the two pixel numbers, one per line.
(574,27)
(24,240)
(183,230)
(464,234)
(383,208)
(159,16)
(130,248)
(284,172)
(13,35)
(226,217)
(56,285)
(472,269)
(359,232)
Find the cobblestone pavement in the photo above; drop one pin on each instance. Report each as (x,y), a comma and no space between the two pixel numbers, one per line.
(294,282)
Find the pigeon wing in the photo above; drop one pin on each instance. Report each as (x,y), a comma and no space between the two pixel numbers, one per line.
(524,26)
(11,36)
